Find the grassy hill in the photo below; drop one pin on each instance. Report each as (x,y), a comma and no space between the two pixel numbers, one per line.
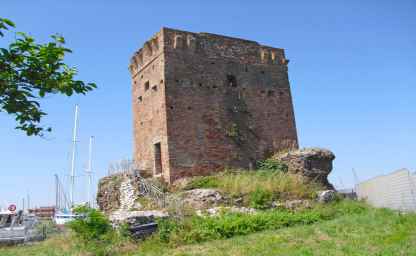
(375,232)
(366,232)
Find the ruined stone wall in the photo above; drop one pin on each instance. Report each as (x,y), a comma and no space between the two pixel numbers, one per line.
(118,192)
(228,102)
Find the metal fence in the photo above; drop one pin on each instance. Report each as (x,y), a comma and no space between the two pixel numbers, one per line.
(396,191)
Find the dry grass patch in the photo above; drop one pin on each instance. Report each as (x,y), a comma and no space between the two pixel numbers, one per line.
(279,184)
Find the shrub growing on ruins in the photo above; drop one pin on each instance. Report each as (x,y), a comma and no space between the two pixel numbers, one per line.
(271,164)
(260,199)
(93,231)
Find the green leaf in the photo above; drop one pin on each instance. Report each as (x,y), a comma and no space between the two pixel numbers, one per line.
(8,22)
(33,71)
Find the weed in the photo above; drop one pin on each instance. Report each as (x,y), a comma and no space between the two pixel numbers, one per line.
(260,199)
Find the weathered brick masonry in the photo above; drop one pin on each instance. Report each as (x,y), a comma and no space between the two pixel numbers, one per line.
(203,102)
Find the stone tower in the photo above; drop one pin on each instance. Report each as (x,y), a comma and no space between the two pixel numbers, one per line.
(203,102)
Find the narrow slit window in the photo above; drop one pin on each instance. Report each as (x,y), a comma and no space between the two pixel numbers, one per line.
(231,81)
(158,159)
(146,85)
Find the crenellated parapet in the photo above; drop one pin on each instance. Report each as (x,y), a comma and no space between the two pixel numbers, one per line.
(150,50)
(206,45)
(217,46)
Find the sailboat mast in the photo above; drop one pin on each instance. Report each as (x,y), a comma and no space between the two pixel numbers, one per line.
(89,172)
(74,144)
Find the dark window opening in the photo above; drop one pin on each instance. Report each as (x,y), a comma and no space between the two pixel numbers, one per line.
(189,108)
(262,71)
(171,107)
(281,93)
(245,69)
(154,87)
(231,80)
(270,93)
(308,165)
(262,92)
(161,81)
(177,80)
(212,63)
(200,84)
(146,85)
(141,76)
(158,159)
(215,87)
(140,98)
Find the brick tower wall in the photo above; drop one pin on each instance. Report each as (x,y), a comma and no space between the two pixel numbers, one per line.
(149,108)
(228,102)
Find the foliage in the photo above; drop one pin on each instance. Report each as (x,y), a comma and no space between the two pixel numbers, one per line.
(166,227)
(93,230)
(366,232)
(202,182)
(198,229)
(271,164)
(260,199)
(30,71)
(348,228)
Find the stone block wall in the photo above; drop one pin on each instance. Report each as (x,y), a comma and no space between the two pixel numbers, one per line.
(117,192)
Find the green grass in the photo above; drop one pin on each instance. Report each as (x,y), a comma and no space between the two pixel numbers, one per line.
(197,229)
(373,232)
(279,184)
(343,228)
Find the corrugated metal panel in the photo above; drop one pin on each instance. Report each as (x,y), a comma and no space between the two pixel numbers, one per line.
(396,191)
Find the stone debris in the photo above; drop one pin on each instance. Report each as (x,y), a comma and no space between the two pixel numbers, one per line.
(215,211)
(313,163)
(293,204)
(326,196)
(123,215)
(202,198)
(127,196)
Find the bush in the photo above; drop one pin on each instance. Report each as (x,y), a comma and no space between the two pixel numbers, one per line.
(166,227)
(93,231)
(93,226)
(272,165)
(260,199)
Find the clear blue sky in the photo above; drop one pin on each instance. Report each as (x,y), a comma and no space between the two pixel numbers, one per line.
(352,73)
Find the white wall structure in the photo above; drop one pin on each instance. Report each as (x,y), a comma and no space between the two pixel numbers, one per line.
(395,191)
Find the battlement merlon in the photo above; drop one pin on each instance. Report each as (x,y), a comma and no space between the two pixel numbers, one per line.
(206,45)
